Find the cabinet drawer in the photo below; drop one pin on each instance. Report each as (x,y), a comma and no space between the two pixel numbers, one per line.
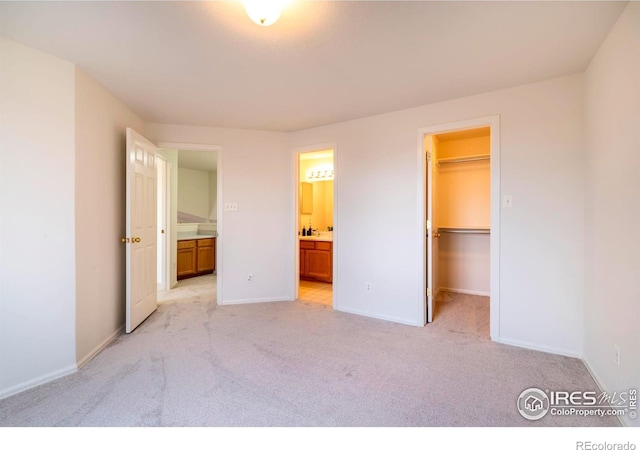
(307,244)
(323,245)
(205,242)
(186,244)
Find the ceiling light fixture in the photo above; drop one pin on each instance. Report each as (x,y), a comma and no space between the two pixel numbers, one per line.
(264,12)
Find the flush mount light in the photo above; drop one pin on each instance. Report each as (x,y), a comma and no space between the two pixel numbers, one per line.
(264,12)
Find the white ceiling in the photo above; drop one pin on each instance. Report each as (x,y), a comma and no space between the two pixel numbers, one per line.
(206,63)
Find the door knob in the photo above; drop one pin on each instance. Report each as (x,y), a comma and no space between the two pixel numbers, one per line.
(135,239)
(124,240)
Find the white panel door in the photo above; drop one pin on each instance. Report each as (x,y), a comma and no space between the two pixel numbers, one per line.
(141,230)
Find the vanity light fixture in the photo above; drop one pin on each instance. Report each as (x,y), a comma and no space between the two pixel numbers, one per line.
(264,12)
(320,174)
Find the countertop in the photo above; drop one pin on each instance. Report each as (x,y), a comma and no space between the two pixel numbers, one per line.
(190,237)
(317,238)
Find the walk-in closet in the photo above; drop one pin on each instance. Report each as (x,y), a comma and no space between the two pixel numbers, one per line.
(461,216)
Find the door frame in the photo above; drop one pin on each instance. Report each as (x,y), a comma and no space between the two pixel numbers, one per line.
(493,122)
(166,248)
(296,152)
(219,218)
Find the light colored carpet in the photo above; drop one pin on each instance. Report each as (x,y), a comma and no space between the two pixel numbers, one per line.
(196,288)
(193,363)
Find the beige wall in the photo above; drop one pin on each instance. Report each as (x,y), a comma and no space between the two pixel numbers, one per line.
(37,243)
(258,238)
(379,227)
(100,124)
(213,195)
(612,294)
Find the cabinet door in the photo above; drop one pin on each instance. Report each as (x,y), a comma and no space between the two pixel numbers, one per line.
(186,261)
(205,259)
(318,264)
(303,265)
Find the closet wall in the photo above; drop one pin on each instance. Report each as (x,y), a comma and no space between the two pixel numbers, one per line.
(463,211)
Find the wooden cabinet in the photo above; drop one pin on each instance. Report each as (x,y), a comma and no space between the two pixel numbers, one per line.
(196,257)
(316,260)
(187,257)
(206,255)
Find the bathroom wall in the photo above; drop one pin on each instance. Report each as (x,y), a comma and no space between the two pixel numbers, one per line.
(322,216)
(193,195)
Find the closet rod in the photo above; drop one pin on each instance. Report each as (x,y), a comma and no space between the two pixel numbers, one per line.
(463,159)
(465,230)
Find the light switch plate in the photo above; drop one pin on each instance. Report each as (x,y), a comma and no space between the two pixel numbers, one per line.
(230,206)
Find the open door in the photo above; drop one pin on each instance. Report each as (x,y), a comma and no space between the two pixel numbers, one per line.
(431,228)
(141,230)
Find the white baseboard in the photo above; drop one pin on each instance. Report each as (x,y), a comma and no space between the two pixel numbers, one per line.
(625,421)
(72,368)
(97,349)
(462,291)
(255,300)
(378,316)
(540,348)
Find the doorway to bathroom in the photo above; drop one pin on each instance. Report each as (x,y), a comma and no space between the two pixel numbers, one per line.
(314,217)
(189,245)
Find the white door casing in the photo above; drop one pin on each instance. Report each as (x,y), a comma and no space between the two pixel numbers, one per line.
(162,173)
(431,259)
(141,230)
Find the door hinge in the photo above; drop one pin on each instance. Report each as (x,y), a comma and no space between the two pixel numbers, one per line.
(429,156)
(428,224)
(428,292)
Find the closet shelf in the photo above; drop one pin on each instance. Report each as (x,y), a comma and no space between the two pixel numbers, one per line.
(461,159)
(464,230)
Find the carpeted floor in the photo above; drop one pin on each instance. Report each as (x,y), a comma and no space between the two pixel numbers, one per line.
(193,363)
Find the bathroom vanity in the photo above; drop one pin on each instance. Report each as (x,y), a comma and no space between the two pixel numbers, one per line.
(196,255)
(316,258)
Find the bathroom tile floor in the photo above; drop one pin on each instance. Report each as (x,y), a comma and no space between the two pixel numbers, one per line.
(316,292)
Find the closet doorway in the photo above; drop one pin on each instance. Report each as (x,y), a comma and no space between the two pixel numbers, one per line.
(460,214)
(314,225)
